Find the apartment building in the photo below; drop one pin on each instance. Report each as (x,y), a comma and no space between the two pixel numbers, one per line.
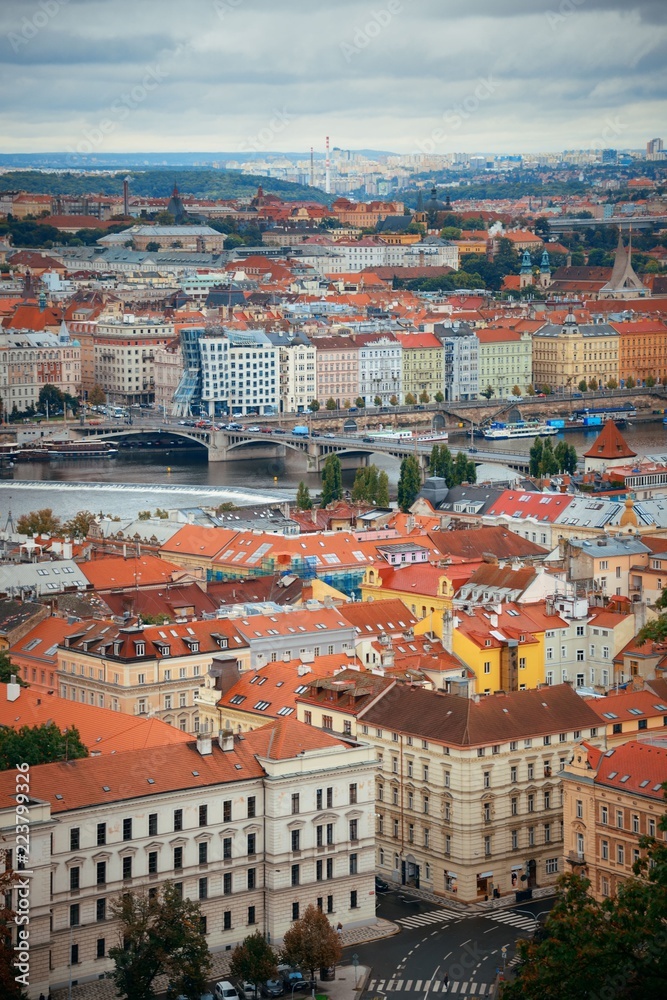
(461,364)
(642,350)
(298,370)
(468,797)
(254,827)
(505,360)
(422,355)
(124,356)
(337,370)
(565,355)
(29,361)
(610,800)
(606,564)
(240,372)
(380,367)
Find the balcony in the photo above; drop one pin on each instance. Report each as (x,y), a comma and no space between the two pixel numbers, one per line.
(576,858)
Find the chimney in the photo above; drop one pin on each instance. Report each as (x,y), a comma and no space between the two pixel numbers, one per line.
(13,689)
(226,739)
(204,744)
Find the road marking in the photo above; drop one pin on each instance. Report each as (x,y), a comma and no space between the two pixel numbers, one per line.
(514,920)
(418,984)
(408,985)
(431,917)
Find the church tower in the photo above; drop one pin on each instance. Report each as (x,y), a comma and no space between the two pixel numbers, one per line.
(526,272)
(545,270)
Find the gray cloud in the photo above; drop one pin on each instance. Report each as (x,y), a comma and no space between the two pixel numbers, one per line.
(381,74)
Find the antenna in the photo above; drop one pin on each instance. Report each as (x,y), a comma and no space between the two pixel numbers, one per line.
(312,167)
(327,174)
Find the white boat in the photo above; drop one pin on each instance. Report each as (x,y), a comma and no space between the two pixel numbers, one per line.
(391,436)
(521,429)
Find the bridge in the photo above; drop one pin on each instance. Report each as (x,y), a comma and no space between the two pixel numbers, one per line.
(230,446)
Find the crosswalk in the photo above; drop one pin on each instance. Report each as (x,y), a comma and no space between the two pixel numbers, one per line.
(455,988)
(430,917)
(513,919)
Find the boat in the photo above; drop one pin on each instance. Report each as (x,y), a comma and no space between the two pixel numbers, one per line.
(61,450)
(521,429)
(409,436)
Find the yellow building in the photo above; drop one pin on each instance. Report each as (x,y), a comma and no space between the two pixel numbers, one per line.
(565,355)
(426,590)
(422,364)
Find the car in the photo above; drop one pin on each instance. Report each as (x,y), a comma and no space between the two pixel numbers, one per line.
(381,885)
(248,991)
(225,991)
(278,430)
(472,448)
(353,409)
(419,406)
(329,435)
(266,430)
(252,429)
(272,988)
(234,426)
(384,409)
(315,434)
(577,395)
(368,440)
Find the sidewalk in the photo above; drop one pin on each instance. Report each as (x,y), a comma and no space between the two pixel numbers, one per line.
(474,909)
(342,987)
(362,935)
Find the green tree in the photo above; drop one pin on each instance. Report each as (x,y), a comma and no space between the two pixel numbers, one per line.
(410,399)
(39,745)
(424,397)
(254,960)
(583,385)
(471,472)
(153,247)
(9,669)
(346,404)
(159,619)
(630,382)
(314,406)
(650,381)
(488,392)
(332,481)
(50,396)
(530,390)
(311,942)
(566,457)
(303,498)
(535,456)
(39,522)
(360,402)
(79,525)
(377,401)
(549,464)
(409,482)
(612,384)
(460,468)
(439,397)
(97,396)
(330,403)
(159,935)
(382,498)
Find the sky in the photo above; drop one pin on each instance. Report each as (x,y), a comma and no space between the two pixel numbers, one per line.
(409,76)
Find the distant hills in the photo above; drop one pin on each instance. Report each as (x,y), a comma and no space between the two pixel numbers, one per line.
(156,183)
(121,161)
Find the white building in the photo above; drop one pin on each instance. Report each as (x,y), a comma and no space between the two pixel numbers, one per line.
(380,367)
(240,373)
(255,827)
(461,364)
(298,375)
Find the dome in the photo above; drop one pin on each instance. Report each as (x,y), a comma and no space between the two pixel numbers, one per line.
(434,204)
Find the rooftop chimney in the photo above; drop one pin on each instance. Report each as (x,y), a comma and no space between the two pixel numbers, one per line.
(226,739)
(204,744)
(13,689)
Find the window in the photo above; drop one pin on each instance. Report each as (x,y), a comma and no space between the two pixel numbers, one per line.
(227,883)
(178,820)
(327,722)
(74,954)
(251,915)
(178,858)
(353,793)
(547,833)
(318,799)
(487,779)
(252,843)
(152,862)
(295,803)
(580,655)
(604,850)
(515,840)
(203,853)
(101,834)
(295,911)
(620,854)
(531,772)
(514,803)
(127,829)
(101,873)
(203,815)
(531,803)
(619,819)
(487,846)
(296,840)
(227,919)
(203,888)
(604,815)
(635,823)
(101,909)
(226,848)
(101,948)
(74,878)
(252,878)
(152,825)
(318,871)
(531,836)
(353,899)
(74,839)
(330,797)
(354,829)
(330,833)
(227,810)
(513,774)
(127,868)
(74,915)
(551,866)
(580,809)
(330,905)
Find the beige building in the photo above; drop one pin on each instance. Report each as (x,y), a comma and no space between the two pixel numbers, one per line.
(29,361)
(564,356)
(254,828)
(422,355)
(610,800)
(298,372)
(505,360)
(468,798)
(125,354)
(167,372)
(337,369)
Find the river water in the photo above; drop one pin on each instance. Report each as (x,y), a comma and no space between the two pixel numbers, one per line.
(134,481)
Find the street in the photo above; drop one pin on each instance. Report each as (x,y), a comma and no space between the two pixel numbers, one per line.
(436,942)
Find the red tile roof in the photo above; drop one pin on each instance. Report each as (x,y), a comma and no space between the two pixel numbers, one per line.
(276,686)
(113,572)
(610,443)
(371,618)
(475,543)
(519,505)
(635,768)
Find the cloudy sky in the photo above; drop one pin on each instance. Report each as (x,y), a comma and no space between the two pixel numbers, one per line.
(405,75)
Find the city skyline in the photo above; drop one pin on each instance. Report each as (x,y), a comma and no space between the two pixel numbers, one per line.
(248,76)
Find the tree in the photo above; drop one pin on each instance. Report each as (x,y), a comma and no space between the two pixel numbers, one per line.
(382,498)
(409,483)
(332,481)
(39,745)
(312,942)
(592,384)
(9,670)
(330,403)
(424,397)
(460,467)
(377,401)
(535,456)
(97,396)
(159,935)
(549,465)
(39,522)
(79,525)
(630,382)
(366,484)
(516,390)
(488,392)
(583,385)
(566,457)
(530,390)
(393,401)
(346,404)
(360,402)
(612,384)
(439,397)
(313,406)
(303,499)
(410,399)
(153,247)
(12,976)
(650,381)
(50,398)
(254,960)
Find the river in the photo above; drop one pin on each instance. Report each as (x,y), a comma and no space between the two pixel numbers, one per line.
(154,478)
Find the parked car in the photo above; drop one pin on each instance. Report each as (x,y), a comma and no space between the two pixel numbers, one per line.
(272,988)
(293,980)
(248,991)
(225,991)
(381,885)
(353,409)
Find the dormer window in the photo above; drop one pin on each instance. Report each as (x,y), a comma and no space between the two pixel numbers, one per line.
(140,648)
